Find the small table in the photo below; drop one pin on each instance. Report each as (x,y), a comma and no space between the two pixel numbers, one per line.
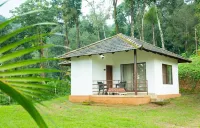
(118,91)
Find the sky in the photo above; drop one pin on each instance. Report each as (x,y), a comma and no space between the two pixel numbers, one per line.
(11,4)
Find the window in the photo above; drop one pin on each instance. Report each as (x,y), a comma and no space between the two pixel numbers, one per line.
(167,74)
(127,74)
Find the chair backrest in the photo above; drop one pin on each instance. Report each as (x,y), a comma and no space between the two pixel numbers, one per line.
(122,84)
(101,85)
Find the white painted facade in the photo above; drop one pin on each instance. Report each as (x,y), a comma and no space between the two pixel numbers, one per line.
(86,69)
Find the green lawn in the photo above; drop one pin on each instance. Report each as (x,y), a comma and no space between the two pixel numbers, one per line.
(181,112)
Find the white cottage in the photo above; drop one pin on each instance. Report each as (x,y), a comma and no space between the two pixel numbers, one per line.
(122,69)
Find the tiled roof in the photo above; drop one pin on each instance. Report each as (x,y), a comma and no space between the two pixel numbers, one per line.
(119,43)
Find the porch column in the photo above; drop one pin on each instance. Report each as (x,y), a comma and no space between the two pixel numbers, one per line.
(135,71)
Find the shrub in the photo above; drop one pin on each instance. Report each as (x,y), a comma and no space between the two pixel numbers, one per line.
(189,75)
(59,88)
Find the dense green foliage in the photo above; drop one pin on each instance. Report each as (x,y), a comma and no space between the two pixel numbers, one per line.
(178,20)
(189,75)
(58,88)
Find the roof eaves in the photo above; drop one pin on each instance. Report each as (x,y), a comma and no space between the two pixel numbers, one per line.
(167,53)
(63,56)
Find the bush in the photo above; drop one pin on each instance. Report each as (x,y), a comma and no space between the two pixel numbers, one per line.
(6,100)
(58,88)
(189,76)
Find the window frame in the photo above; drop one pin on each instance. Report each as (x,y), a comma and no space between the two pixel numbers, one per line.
(167,74)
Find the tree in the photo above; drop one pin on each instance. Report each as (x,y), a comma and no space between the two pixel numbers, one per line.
(68,12)
(115,15)
(98,16)
(77,5)
(151,18)
(160,29)
(130,4)
(43,16)
(197,27)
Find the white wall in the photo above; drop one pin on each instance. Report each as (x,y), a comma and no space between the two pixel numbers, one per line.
(99,66)
(81,76)
(166,88)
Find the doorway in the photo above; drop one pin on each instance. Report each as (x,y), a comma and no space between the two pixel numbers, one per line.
(109,75)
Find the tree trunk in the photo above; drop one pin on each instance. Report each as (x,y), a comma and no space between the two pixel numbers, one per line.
(196,41)
(77,32)
(98,33)
(154,42)
(67,43)
(139,33)
(41,51)
(142,26)
(104,33)
(132,18)
(115,16)
(160,29)
(186,37)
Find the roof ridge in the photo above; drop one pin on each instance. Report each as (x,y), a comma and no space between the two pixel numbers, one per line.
(128,40)
(86,46)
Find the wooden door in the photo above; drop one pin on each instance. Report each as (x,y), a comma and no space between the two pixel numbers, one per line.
(109,75)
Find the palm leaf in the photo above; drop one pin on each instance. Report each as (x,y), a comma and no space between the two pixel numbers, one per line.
(4,24)
(32,85)
(27,72)
(22,100)
(18,81)
(24,63)
(15,32)
(14,45)
(21,52)
(3,3)
(26,79)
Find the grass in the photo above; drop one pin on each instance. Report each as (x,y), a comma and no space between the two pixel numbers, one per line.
(182,112)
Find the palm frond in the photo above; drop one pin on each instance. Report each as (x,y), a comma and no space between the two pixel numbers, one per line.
(24,63)
(19,53)
(26,79)
(15,32)
(4,24)
(17,79)
(1,4)
(32,85)
(14,45)
(22,100)
(27,72)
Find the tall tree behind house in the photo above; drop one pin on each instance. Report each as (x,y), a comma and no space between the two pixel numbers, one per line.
(130,4)
(115,16)
(99,13)
(150,17)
